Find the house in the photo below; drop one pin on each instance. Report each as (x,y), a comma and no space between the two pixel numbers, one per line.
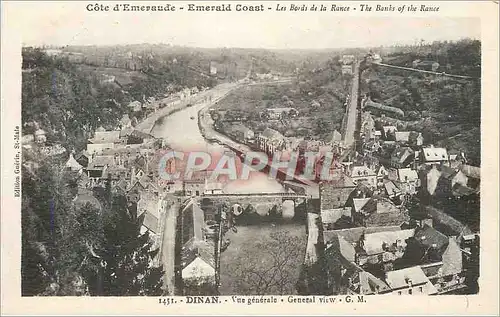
(371,147)
(358,204)
(344,276)
(40,136)
(440,255)
(73,165)
(97,169)
(347,59)
(416,139)
(457,158)
(379,211)
(445,223)
(270,141)
(105,137)
(83,158)
(409,137)
(138,137)
(363,174)
(151,207)
(382,247)
(197,254)
(473,174)
(381,173)
(389,260)
(402,157)
(125,133)
(320,169)
(453,176)
(391,189)
(346,69)
(135,189)
(389,131)
(335,193)
(408,180)
(402,136)
(197,184)
(410,281)
(368,127)
(102,161)
(98,148)
(329,217)
(433,155)
(429,177)
(241,133)
(440,181)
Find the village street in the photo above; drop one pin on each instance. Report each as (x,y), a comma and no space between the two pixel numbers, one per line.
(351,112)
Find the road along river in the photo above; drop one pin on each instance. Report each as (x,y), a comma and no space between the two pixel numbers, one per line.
(181,131)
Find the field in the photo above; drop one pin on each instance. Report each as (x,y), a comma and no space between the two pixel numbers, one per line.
(320,110)
(123,76)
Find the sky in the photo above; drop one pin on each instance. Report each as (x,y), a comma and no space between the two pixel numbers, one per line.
(64,23)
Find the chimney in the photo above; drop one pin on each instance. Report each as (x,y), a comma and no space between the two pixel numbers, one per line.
(409,282)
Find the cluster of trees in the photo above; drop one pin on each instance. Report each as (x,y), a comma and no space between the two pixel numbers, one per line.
(160,80)
(92,248)
(444,107)
(64,101)
(461,57)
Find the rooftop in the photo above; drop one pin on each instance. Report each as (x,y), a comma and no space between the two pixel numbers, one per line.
(401,278)
(435,154)
(102,160)
(471,171)
(360,171)
(105,137)
(407,175)
(373,242)
(272,134)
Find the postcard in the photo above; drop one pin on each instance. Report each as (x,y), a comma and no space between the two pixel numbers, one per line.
(246,157)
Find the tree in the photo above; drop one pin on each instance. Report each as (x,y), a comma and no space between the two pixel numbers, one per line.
(67,248)
(53,233)
(273,271)
(125,259)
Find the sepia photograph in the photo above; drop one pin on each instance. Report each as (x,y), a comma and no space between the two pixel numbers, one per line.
(399,213)
(207,155)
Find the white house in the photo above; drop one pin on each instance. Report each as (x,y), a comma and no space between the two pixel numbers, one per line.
(363,174)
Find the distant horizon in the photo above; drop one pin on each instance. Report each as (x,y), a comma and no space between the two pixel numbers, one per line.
(249,48)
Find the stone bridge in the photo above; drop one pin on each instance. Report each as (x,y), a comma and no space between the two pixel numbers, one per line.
(262,203)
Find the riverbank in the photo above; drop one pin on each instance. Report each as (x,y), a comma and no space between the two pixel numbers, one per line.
(149,122)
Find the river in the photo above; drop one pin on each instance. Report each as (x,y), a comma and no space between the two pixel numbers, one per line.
(181,131)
